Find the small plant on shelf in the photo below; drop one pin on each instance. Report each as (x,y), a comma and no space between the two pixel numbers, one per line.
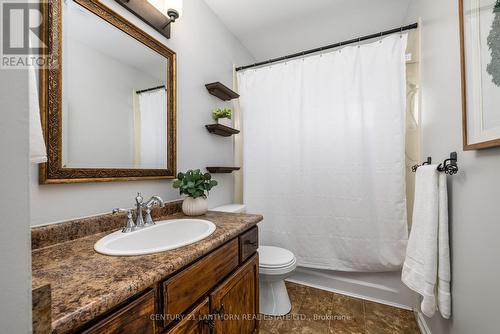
(196,186)
(223,116)
(222,113)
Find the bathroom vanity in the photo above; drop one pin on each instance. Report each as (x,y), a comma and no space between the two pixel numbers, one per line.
(210,286)
(200,293)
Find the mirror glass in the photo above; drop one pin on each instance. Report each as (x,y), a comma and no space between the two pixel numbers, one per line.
(114,96)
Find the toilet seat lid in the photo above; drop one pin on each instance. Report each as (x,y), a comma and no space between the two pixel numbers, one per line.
(275,257)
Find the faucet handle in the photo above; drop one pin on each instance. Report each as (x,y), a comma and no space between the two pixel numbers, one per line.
(130,222)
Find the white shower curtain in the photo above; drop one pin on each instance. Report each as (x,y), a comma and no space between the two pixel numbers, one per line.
(324,155)
(153,134)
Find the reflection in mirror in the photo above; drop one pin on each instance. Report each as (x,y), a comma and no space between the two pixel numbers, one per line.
(114,96)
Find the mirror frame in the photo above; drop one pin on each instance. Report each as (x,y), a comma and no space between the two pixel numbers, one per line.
(52,172)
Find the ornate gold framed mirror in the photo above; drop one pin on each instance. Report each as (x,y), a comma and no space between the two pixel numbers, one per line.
(108,100)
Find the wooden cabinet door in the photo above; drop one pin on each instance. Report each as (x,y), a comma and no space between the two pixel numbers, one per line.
(195,322)
(132,318)
(235,303)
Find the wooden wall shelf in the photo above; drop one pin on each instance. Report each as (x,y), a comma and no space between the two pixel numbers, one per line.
(221,91)
(221,130)
(222,169)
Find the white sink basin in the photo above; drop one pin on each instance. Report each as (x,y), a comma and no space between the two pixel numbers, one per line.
(165,235)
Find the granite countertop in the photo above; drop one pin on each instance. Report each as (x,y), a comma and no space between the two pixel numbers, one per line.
(85,284)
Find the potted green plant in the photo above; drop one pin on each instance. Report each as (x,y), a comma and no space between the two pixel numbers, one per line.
(195,185)
(223,116)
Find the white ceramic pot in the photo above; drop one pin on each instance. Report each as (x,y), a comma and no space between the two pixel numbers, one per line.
(225,121)
(194,206)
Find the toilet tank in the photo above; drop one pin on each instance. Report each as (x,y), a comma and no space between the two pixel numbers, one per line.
(234,208)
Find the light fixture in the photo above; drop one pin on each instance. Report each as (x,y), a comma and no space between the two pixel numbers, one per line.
(170,8)
(157,13)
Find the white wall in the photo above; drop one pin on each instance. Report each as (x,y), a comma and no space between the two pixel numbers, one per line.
(474,192)
(341,21)
(15,245)
(206,52)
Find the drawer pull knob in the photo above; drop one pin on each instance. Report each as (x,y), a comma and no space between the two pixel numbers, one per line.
(210,319)
(221,313)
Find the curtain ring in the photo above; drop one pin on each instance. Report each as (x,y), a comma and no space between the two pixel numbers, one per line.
(381,35)
(340,47)
(359,42)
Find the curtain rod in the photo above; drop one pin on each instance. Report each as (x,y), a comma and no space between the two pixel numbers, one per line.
(331,46)
(149,89)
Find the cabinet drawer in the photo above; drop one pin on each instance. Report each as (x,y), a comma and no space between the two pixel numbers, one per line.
(193,322)
(249,242)
(132,318)
(185,288)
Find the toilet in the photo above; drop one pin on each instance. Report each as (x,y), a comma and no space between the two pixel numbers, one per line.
(275,265)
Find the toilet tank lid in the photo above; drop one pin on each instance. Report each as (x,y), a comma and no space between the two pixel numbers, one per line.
(236,208)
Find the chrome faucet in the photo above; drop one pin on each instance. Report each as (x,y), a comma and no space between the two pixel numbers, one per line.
(140,222)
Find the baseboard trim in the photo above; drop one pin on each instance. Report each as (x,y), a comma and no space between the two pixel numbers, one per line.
(350,294)
(422,323)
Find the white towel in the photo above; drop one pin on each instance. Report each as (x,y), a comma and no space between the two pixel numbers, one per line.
(444,271)
(426,269)
(38,152)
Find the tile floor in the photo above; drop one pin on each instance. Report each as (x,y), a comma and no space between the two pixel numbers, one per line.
(319,311)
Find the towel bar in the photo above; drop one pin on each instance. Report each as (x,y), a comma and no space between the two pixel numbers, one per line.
(449,166)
